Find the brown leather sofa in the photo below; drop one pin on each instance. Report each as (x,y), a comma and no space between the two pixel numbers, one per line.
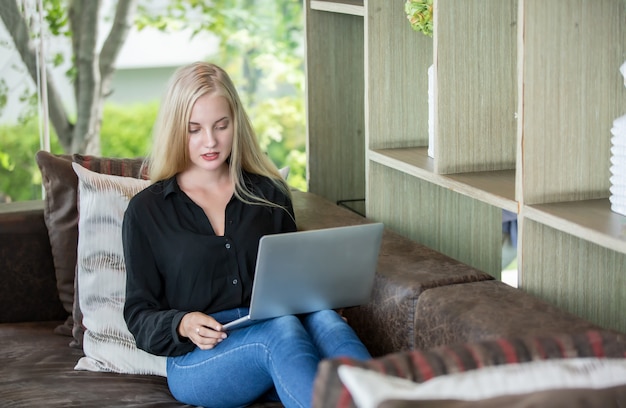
(422,299)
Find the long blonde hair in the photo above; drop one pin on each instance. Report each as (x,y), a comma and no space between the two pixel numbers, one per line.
(170,152)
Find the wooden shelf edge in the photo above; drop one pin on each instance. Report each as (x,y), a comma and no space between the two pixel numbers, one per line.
(590,220)
(355,8)
(415,162)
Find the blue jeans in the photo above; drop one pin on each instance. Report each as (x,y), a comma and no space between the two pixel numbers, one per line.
(274,356)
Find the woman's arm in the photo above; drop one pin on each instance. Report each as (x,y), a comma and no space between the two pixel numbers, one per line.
(148,316)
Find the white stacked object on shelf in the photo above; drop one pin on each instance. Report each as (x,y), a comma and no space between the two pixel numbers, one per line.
(431,111)
(618,161)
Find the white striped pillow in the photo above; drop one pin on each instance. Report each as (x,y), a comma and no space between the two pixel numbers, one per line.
(101,276)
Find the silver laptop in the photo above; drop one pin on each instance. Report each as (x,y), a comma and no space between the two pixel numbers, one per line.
(308,271)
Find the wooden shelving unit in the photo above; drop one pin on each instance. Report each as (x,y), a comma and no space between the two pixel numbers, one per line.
(525,95)
(492,187)
(591,219)
(354,8)
(335,109)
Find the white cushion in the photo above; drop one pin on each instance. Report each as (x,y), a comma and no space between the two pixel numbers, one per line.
(101,276)
(369,388)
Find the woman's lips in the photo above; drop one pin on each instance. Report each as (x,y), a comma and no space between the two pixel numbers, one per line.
(210,156)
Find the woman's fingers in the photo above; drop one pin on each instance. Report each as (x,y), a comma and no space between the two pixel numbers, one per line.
(207,338)
(201,329)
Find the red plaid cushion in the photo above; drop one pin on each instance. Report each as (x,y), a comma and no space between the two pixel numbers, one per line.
(420,366)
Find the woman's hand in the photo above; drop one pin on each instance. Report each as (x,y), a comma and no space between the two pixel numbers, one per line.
(201,329)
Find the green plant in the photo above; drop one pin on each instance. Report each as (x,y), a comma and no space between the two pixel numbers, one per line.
(127,129)
(420,15)
(20,178)
(280,126)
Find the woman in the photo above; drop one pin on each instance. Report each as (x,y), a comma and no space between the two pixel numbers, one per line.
(190,244)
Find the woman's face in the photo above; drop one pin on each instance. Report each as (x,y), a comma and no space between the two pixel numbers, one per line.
(210,132)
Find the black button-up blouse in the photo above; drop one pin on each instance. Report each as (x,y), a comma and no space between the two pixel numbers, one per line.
(175,263)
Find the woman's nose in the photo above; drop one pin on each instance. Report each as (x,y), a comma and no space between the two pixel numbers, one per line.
(209,138)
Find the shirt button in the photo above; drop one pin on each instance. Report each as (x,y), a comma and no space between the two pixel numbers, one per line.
(235,281)
(227,246)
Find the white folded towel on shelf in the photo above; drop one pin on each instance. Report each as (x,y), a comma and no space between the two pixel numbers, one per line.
(618,162)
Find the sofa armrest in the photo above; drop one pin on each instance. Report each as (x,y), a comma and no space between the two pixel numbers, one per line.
(389,322)
(28,291)
(488,310)
(405,269)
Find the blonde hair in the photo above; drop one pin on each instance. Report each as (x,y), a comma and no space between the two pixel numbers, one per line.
(170,152)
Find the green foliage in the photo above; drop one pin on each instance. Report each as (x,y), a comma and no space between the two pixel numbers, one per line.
(279,123)
(4,91)
(56,17)
(127,130)
(20,179)
(29,100)
(261,41)
(420,15)
(6,162)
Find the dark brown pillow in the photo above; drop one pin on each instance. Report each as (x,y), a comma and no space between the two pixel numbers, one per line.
(61,213)
(61,216)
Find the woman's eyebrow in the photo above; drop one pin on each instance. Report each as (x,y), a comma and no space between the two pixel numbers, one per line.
(217,121)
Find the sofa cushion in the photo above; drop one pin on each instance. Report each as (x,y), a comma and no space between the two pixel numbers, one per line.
(61,214)
(38,371)
(101,276)
(423,365)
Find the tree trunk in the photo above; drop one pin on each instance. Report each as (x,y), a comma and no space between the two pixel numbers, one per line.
(94,70)
(83,18)
(16,25)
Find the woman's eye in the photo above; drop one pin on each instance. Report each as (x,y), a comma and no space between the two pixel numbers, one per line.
(194,130)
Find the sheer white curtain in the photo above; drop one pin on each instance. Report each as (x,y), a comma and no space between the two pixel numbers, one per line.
(34,13)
